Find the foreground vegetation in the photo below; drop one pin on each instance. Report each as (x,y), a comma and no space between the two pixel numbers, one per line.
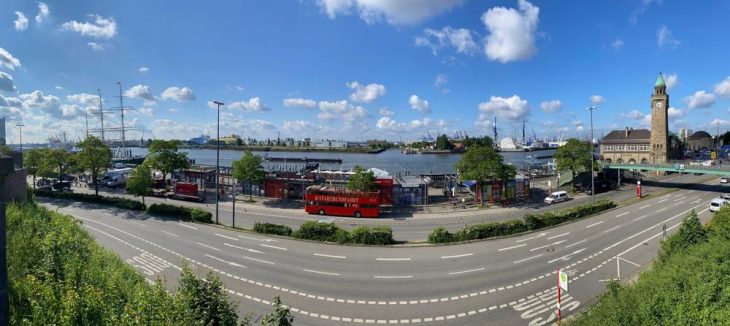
(59,276)
(688,285)
(528,223)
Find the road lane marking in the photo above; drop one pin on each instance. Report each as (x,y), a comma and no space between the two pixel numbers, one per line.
(172,234)
(205,245)
(661,209)
(613,228)
(526,259)
(393,259)
(273,247)
(393,276)
(558,236)
(256,239)
(567,257)
(227,237)
(259,260)
(663,200)
(467,271)
(216,258)
(330,256)
(458,256)
(187,226)
(645,206)
(638,218)
(530,238)
(513,247)
(622,214)
(242,248)
(594,224)
(548,245)
(318,272)
(140,224)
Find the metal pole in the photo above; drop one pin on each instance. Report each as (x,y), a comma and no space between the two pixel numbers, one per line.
(593,186)
(234,209)
(20,126)
(217,161)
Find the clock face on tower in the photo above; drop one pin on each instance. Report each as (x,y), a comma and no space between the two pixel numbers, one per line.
(658,104)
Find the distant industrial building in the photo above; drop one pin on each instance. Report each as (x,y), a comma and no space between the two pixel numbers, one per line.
(2,132)
(199,140)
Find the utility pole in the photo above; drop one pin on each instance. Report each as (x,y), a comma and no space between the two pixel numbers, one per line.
(217,161)
(590,142)
(21,125)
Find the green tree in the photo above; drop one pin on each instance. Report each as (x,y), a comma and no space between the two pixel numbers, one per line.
(690,233)
(164,157)
(484,141)
(140,182)
(95,157)
(249,169)
(33,161)
(205,302)
(483,163)
(5,150)
(58,162)
(575,156)
(443,143)
(279,317)
(361,180)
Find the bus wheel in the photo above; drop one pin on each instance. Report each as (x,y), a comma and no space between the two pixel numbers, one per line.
(321,212)
(357,214)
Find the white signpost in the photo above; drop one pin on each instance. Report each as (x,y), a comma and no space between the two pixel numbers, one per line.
(562,284)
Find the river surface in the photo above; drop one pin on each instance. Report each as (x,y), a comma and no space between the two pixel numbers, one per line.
(392,160)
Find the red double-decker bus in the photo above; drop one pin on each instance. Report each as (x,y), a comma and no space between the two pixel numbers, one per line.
(333,201)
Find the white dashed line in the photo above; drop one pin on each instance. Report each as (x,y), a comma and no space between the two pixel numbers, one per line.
(207,246)
(558,236)
(613,228)
(573,244)
(273,247)
(172,234)
(393,259)
(663,200)
(467,271)
(227,237)
(318,272)
(457,256)
(661,209)
(622,214)
(187,226)
(638,218)
(645,206)
(330,256)
(393,276)
(526,259)
(513,247)
(140,224)
(594,224)
(259,260)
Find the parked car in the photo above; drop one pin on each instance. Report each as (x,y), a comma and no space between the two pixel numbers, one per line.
(62,185)
(725,197)
(724,180)
(556,197)
(717,204)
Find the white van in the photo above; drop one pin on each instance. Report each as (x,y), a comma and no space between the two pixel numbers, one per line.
(556,197)
(717,204)
(117,177)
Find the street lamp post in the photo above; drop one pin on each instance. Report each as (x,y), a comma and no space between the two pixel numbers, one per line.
(217,160)
(21,125)
(593,186)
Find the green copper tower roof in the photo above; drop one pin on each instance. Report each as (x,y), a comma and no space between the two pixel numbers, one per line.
(660,81)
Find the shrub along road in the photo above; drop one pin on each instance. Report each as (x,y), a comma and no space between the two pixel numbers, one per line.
(502,281)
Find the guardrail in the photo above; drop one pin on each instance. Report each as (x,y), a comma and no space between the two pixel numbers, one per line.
(684,167)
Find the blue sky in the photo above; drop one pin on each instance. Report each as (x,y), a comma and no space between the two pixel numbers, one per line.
(361,69)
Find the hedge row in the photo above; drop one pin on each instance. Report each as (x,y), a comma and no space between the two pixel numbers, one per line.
(329,232)
(181,212)
(530,222)
(89,198)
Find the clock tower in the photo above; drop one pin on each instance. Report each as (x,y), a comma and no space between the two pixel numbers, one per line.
(659,122)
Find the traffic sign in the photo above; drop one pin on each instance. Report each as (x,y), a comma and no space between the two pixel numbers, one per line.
(563,280)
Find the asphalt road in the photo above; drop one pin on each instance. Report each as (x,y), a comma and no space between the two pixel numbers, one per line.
(509,281)
(410,227)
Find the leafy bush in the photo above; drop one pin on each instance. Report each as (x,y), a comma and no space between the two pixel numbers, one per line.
(181,212)
(89,198)
(440,235)
(490,230)
(690,233)
(269,228)
(58,275)
(311,230)
(539,221)
(377,235)
(689,287)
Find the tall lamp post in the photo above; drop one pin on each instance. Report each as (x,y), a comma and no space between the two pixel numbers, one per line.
(593,186)
(21,125)
(217,160)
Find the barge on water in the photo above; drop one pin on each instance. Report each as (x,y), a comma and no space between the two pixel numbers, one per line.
(303,159)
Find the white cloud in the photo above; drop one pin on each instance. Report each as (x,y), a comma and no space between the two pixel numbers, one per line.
(304,102)
(664,37)
(551,106)
(646,121)
(7,60)
(418,104)
(168,129)
(394,12)
(671,81)
(143,70)
(674,113)
(440,80)
(634,114)
(178,94)
(21,23)
(103,28)
(60,88)
(84,98)
(10,102)
(386,113)
(148,111)
(366,93)
(141,92)
(512,108)
(69,111)
(461,39)
(723,88)
(617,43)
(388,124)
(43,12)
(721,122)
(483,123)
(597,99)
(7,84)
(642,9)
(253,104)
(511,32)
(341,110)
(700,99)
(97,47)
(174,110)
(299,127)
(37,100)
